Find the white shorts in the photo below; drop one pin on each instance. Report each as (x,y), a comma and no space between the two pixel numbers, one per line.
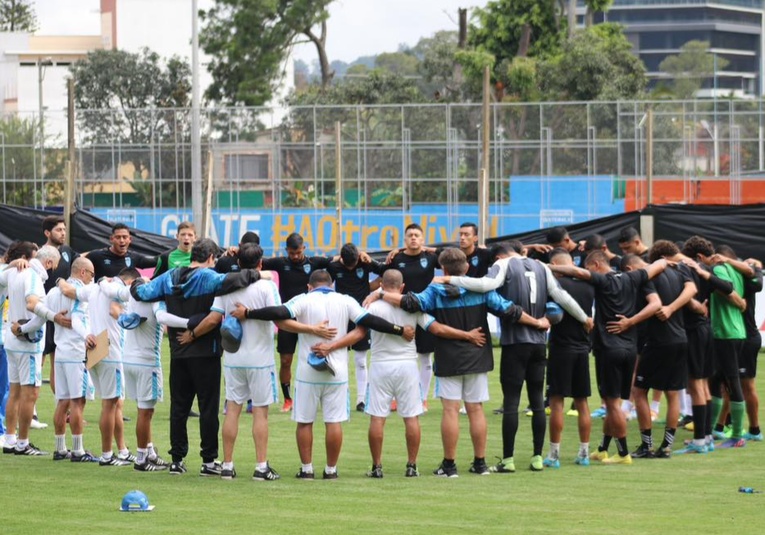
(72,381)
(470,388)
(144,384)
(334,399)
(399,379)
(107,378)
(257,384)
(24,369)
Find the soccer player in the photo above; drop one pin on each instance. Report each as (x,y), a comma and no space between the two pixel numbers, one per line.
(568,371)
(558,237)
(631,243)
(596,242)
(478,258)
(351,276)
(181,255)
(229,262)
(294,271)
(109,261)
(73,385)
(322,384)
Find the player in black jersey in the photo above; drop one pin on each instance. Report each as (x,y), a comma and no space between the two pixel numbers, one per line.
(294,271)
(558,238)
(109,261)
(230,261)
(351,276)
(596,242)
(631,243)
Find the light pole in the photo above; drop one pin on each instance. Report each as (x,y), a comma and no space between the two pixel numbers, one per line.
(40,77)
(196,138)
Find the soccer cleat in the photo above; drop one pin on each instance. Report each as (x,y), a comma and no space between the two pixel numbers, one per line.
(86,457)
(177,468)
(618,459)
(129,457)
(113,461)
(693,448)
(504,466)
(749,436)
(684,420)
(719,435)
(479,468)
(529,412)
(689,427)
(548,411)
(249,407)
(269,474)
(9,450)
(733,443)
(411,470)
(287,407)
(393,406)
(444,470)
(331,476)
(598,456)
(654,416)
(308,476)
(62,455)
(663,453)
(227,473)
(30,450)
(463,410)
(632,415)
(551,463)
(537,464)
(147,467)
(598,413)
(214,470)
(37,424)
(582,460)
(500,410)
(376,472)
(360,406)
(159,462)
(711,446)
(643,452)
(193,414)
(572,412)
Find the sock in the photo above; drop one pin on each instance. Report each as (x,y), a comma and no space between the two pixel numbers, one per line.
(604,443)
(150,453)
(286,391)
(708,419)
(699,420)
(669,438)
(584,449)
(228,466)
(124,453)
(448,462)
(621,445)
(61,443)
(360,360)
(655,406)
(210,464)
(754,430)
(10,440)
(307,468)
(728,420)
(554,450)
(106,455)
(426,373)
(717,404)
(720,428)
(141,455)
(34,413)
(626,406)
(261,467)
(686,404)
(646,438)
(330,469)
(737,409)
(22,443)
(77,446)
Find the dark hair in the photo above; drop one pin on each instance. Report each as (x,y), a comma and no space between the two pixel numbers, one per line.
(596,256)
(129,273)
(515,246)
(661,249)
(628,260)
(628,234)
(120,226)
(556,235)
(249,255)
(320,277)
(20,249)
(558,251)
(50,222)
(726,250)
(593,242)
(411,226)
(294,241)
(498,249)
(696,245)
(470,225)
(203,249)
(249,237)
(453,261)
(349,253)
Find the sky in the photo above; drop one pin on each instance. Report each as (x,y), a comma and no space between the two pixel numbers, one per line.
(355,27)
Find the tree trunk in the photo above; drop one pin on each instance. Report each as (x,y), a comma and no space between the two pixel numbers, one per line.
(525,42)
(321,48)
(571,18)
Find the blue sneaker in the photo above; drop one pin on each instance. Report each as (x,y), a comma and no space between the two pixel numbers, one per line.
(693,448)
(733,443)
(749,436)
(598,413)
(582,461)
(710,446)
(551,463)
(719,435)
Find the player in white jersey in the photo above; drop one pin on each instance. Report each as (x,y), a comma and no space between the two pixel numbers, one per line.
(24,334)
(326,384)
(394,373)
(72,379)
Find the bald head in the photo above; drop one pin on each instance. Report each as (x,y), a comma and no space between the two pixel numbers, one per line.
(82,269)
(393,281)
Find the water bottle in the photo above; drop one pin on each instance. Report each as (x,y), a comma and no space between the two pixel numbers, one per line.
(747,490)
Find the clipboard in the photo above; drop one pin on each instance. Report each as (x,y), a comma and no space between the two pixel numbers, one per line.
(98,353)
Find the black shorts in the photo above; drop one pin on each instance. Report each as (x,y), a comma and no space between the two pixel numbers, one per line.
(662,367)
(727,355)
(747,363)
(50,344)
(286,342)
(523,362)
(425,341)
(701,354)
(361,345)
(614,370)
(568,374)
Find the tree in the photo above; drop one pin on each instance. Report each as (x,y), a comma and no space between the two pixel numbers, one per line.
(437,55)
(403,63)
(249,40)
(691,67)
(595,6)
(17,16)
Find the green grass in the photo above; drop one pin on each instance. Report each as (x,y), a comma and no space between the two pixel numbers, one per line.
(681,495)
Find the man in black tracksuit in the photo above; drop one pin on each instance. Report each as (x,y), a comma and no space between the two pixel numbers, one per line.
(194,368)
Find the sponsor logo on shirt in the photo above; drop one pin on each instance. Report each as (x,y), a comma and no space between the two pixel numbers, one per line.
(424,262)
(474,261)
(107,262)
(402,265)
(65,256)
(307,268)
(360,273)
(128,261)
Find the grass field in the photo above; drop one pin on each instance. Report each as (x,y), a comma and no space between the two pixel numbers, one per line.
(682,495)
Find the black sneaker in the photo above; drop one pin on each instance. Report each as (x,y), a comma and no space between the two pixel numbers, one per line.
(305,475)
(446,470)
(177,468)
(333,475)
(62,455)
(360,406)
(480,468)
(128,458)
(159,462)
(685,420)
(86,457)
(411,470)
(663,453)
(376,471)
(9,450)
(269,474)
(214,470)
(148,466)
(30,450)
(642,452)
(113,461)
(193,414)
(500,410)
(227,473)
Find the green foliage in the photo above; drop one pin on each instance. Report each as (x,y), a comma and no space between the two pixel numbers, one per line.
(17,16)
(691,67)
(248,41)
(437,62)
(401,63)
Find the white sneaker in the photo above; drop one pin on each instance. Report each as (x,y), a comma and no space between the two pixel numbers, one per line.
(37,424)
(463,410)
(2,441)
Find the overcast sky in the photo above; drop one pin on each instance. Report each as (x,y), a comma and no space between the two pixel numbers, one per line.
(355,27)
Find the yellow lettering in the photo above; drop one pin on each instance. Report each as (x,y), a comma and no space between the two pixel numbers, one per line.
(365,233)
(306,231)
(322,242)
(493,227)
(282,230)
(349,229)
(389,237)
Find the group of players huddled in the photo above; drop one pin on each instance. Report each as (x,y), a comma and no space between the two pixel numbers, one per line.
(666,318)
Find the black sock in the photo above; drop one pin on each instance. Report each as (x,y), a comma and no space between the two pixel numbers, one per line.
(699,421)
(719,428)
(646,438)
(708,419)
(479,460)
(754,430)
(621,445)
(448,462)
(286,391)
(604,443)
(727,419)
(669,437)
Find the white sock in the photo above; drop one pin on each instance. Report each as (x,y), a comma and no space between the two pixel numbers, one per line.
(210,465)
(106,455)
(360,360)
(10,440)
(686,404)
(554,450)
(77,447)
(22,443)
(426,373)
(34,412)
(228,466)
(584,449)
(262,467)
(307,468)
(330,469)
(655,406)
(61,443)
(141,455)
(150,453)
(124,453)
(626,405)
